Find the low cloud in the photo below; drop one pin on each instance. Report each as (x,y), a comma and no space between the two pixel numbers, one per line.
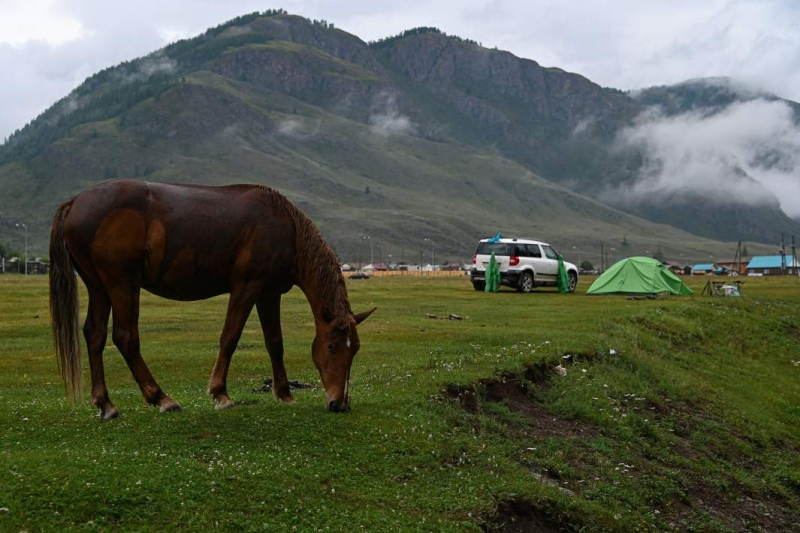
(139,71)
(745,153)
(297,129)
(157,64)
(147,67)
(387,120)
(583,126)
(235,31)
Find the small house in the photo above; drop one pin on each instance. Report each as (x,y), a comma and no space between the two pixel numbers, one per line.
(734,266)
(678,268)
(771,265)
(703,269)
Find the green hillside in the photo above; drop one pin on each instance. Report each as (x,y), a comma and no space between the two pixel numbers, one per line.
(420,136)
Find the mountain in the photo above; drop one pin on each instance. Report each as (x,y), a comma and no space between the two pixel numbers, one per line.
(726,112)
(709,95)
(420,136)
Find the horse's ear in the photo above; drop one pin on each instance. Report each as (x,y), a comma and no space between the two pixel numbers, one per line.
(326,315)
(361,317)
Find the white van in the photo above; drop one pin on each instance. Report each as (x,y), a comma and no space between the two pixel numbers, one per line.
(524,264)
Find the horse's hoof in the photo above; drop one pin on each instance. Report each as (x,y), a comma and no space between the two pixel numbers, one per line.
(288,400)
(170,406)
(109,413)
(224,403)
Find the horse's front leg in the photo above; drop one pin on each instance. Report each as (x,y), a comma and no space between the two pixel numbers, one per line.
(269,313)
(239,307)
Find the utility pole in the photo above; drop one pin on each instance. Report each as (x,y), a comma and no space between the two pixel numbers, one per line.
(433,253)
(26,246)
(602,257)
(371,253)
(794,257)
(783,256)
(737,259)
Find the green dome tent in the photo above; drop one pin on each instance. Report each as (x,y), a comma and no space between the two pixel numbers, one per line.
(638,275)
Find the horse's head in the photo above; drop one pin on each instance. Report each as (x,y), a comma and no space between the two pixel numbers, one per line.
(333,350)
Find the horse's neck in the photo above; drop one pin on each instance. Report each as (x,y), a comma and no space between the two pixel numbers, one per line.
(321,288)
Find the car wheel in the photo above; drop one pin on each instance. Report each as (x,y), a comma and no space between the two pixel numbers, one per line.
(525,283)
(479,285)
(573,281)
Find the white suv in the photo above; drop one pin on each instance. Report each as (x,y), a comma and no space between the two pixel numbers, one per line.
(524,264)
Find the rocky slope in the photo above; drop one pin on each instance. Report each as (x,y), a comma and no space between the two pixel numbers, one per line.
(419,136)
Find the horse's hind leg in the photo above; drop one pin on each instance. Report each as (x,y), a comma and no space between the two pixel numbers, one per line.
(125,304)
(239,307)
(269,313)
(95,330)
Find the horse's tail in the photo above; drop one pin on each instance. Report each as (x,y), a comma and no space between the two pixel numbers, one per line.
(64,306)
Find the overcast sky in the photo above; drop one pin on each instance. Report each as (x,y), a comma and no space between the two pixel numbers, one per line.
(48,47)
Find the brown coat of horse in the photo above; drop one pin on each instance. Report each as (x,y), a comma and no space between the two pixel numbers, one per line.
(191,243)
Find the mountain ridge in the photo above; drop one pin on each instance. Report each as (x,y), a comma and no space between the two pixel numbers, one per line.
(269,89)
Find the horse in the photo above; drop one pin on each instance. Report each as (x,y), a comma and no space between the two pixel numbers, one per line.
(192,242)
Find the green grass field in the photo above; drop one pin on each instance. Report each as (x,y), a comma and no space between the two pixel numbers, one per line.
(675,414)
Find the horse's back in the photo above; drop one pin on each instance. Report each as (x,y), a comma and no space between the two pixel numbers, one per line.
(184,242)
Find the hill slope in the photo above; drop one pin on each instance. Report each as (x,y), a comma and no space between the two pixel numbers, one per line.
(422,136)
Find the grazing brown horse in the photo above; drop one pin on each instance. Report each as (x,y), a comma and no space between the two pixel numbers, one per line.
(190,243)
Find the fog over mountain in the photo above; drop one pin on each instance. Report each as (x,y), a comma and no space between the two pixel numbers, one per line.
(746,150)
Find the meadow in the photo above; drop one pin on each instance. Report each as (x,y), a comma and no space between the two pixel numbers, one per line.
(674,414)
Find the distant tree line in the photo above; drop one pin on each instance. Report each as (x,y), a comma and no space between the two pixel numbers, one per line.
(386,41)
(81,107)
(7,252)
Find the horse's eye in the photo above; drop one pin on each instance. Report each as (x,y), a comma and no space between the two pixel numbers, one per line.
(331,347)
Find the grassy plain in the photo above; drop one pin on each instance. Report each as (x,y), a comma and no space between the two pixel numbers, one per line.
(674,414)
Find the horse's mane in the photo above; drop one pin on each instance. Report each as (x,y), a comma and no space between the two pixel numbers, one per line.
(315,259)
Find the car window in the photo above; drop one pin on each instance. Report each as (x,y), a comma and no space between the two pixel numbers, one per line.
(499,248)
(550,253)
(520,250)
(533,250)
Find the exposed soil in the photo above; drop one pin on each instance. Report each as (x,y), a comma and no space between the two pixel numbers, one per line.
(518,392)
(523,516)
(735,506)
(293,385)
(741,510)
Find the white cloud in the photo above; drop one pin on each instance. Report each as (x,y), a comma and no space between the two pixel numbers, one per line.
(697,153)
(299,129)
(37,20)
(387,120)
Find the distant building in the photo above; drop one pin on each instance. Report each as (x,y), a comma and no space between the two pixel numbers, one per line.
(37,267)
(17,266)
(678,268)
(703,269)
(731,265)
(770,265)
